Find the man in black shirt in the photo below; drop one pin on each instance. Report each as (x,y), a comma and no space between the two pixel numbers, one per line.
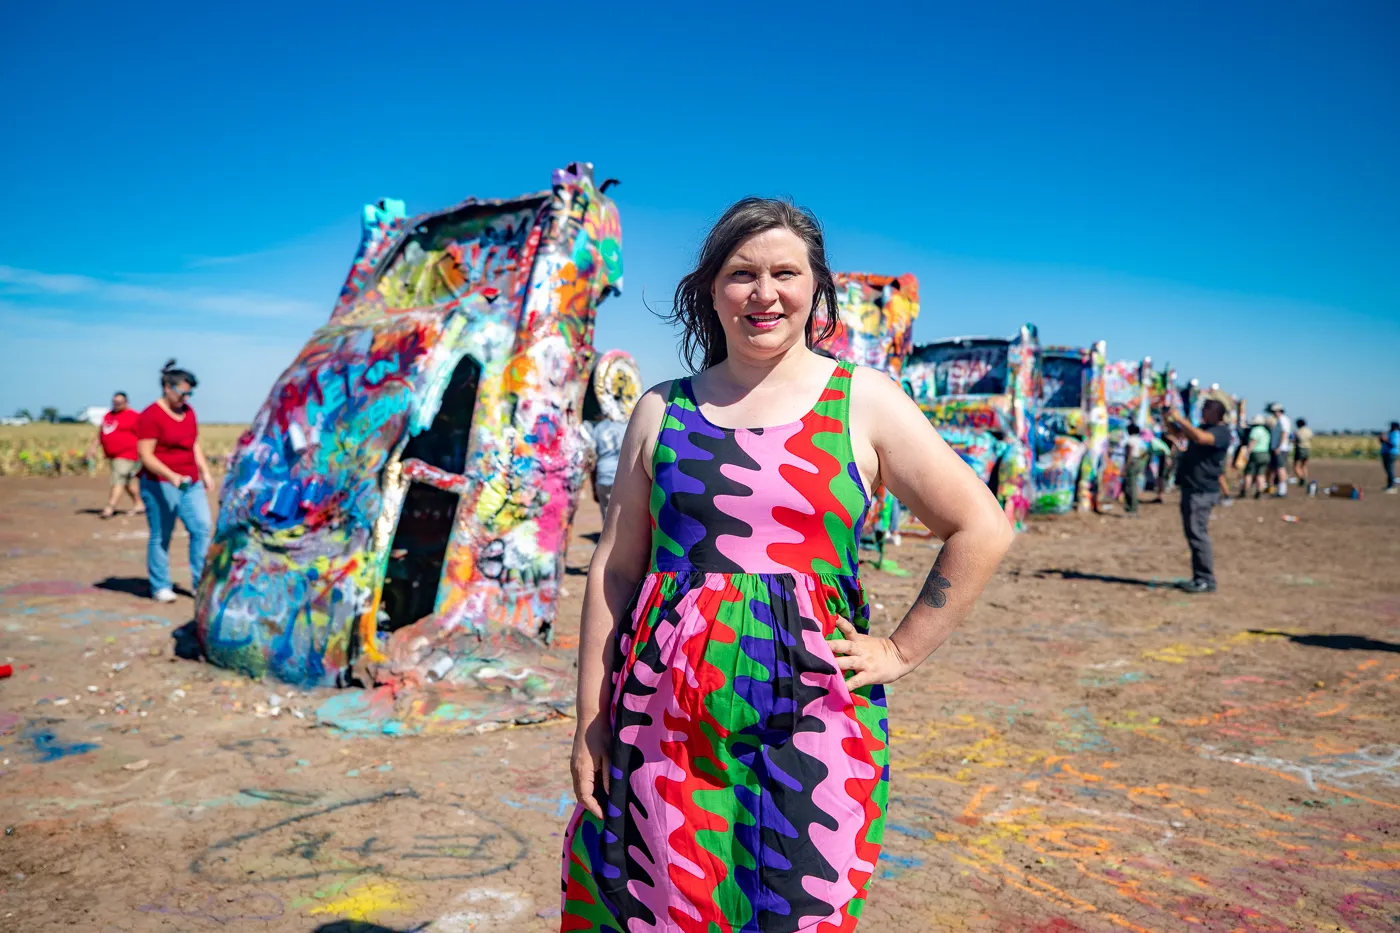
(1198,474)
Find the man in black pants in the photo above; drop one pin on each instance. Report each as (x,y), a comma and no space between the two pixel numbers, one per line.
(1198,475)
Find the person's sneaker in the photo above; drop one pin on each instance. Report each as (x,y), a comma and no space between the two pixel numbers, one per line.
(166,595)
(1392,490)
(1198,586)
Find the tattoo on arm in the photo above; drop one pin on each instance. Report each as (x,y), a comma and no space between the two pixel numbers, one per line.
(933,594)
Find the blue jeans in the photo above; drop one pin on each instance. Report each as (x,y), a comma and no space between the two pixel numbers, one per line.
(164,503)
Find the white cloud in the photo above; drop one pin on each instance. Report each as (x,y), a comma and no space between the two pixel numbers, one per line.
(236,304)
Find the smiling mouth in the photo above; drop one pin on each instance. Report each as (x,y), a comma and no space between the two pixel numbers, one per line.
(764,320)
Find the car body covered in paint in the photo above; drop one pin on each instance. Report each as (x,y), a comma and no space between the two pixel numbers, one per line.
(1070,439)
(874,321)
(613,388)
(1163,396)
(429,432)
(874,327)
(1127,396)
(978,392)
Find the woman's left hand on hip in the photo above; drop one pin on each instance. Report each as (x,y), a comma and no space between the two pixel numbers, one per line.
(873,660)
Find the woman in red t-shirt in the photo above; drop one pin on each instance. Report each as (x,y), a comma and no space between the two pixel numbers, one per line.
(174,478)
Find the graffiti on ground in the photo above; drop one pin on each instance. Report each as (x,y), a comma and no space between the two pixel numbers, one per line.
(1378,764)
(357,837)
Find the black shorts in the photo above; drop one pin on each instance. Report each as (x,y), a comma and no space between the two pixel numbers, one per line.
(1301,454)
(1276,460)
(1257,463)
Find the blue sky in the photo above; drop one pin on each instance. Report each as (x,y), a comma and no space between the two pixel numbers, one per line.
(1210,184)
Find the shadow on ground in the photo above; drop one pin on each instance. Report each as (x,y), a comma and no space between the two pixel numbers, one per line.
(1334,642)
(187,643)
(1153,584)
(132,586)
(135,586)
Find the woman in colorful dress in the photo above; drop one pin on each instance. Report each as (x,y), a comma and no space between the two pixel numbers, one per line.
(731,755)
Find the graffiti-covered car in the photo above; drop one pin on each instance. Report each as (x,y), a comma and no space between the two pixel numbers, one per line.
(614,388)
(398,511)
(1163,395)
(874,320)
(1127,397)
(1071,429)
(978,391)
(875,328)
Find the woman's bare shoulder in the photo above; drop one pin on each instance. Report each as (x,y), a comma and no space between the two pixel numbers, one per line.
(655,398)
(871,389)
(651,407)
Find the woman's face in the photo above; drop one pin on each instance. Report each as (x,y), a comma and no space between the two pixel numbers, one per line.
(763,294)
(177,394)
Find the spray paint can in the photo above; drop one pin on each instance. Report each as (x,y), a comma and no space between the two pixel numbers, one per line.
(6,670)
(1312,488)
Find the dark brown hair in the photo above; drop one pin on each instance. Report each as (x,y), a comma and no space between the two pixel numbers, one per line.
(702,337)
(171,377)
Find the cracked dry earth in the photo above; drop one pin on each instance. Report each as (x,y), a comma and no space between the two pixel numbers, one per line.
(1090,753)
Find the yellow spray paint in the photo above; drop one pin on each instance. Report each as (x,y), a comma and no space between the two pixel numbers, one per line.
(364,902)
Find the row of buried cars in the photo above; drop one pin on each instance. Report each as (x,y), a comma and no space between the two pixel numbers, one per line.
(1043,425)
(398,513)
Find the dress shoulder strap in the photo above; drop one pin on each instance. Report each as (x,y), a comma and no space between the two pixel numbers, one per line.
(677,398)
(835,401)
(680,396)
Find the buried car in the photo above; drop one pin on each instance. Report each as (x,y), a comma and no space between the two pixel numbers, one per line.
(1071,429)
(399,509)
(875,317)
(1127,397)
(1163,395)
(977,391)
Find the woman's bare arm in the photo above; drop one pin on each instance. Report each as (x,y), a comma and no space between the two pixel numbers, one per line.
(618,565)
(205,476)
(933,482)
(1189,430)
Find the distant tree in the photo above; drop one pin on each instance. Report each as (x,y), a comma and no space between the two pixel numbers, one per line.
(49,414)
(23,413)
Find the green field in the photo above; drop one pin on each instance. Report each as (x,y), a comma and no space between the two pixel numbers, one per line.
(59,449)
(1347,446)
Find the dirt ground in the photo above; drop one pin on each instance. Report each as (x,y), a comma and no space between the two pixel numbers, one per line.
(1093,751)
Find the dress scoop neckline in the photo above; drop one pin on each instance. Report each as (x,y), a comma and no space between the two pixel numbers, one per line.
(689,391)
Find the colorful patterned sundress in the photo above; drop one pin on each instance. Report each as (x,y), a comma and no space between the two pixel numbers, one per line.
(748,783)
